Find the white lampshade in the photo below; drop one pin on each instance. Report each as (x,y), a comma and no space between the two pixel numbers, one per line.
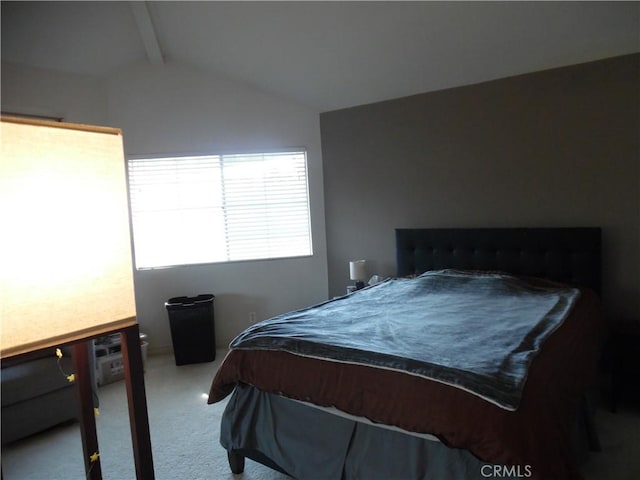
(65,247)
(357,270)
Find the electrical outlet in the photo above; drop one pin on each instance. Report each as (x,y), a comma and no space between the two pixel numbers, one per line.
(252,317)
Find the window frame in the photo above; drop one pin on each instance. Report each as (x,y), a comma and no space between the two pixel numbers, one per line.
(221,155)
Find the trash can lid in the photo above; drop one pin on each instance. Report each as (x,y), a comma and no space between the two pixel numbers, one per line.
(177,301)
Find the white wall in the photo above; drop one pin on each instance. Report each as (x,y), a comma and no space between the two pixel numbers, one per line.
(76,98)
(173,109)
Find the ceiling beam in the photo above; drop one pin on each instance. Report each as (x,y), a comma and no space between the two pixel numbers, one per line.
(147,32)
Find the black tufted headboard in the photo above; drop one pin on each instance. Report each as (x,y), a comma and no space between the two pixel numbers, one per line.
(568,255)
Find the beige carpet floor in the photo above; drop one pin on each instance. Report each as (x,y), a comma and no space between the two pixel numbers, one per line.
(184,435)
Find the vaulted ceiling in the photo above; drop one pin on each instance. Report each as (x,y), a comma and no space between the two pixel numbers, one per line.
(327,55)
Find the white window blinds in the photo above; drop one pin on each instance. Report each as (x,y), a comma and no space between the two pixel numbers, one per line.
(217,208)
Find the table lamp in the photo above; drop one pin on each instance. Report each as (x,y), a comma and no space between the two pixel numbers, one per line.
(66,271)
(358,272)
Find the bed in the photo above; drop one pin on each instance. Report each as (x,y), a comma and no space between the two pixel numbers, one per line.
(316,394)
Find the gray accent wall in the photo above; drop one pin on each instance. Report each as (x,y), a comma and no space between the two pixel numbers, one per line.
(554,148)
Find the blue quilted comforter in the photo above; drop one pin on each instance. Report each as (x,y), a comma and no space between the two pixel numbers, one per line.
(476,331)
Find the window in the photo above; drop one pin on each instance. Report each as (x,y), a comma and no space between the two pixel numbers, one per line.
(219,208)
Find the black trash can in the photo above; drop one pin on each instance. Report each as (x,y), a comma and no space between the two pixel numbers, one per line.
(192,328)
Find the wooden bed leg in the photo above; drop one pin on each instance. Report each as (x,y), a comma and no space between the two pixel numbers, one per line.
(236,462)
